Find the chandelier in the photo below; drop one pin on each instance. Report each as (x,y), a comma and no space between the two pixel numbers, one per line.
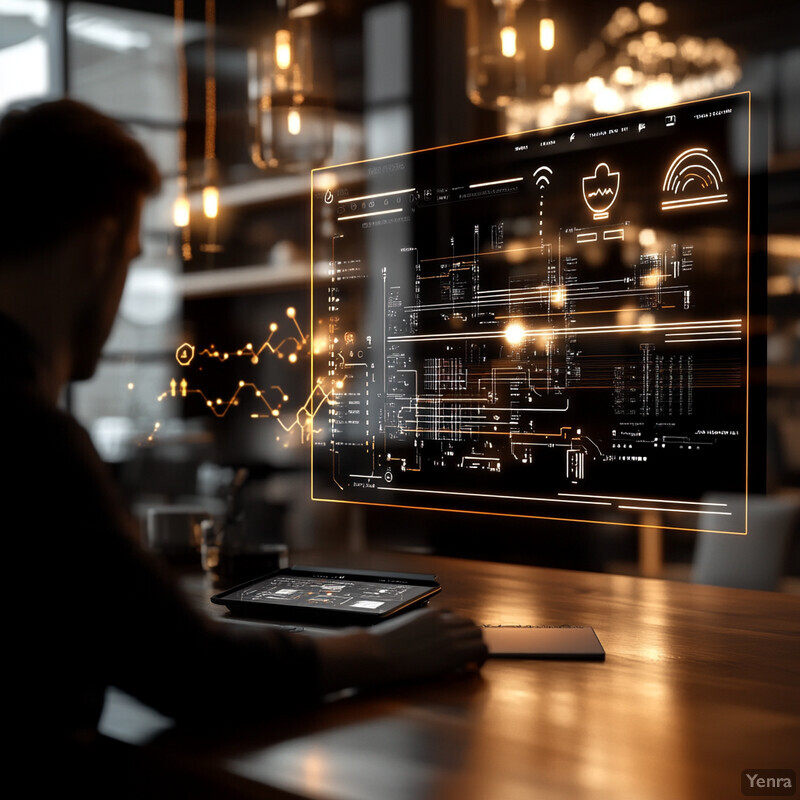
(634,64)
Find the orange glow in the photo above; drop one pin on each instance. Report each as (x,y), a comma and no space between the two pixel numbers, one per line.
(293,122)
(283,49)
(211,202)
(515,333)
(547,33)
(508,41)
(181,212)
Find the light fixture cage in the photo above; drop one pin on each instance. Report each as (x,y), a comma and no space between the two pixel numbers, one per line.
(290,90)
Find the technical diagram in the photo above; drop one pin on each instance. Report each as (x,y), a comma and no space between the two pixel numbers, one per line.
(492,348)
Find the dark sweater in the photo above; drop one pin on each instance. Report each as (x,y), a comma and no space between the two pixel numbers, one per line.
(89,608)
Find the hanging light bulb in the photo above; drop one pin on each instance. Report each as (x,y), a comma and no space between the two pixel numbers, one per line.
(293,122)
(211,202)
(283,49)
(508,41)
(290,91)
(180,211)
(547,33)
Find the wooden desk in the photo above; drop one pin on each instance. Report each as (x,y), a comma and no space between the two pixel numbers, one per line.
(699,683)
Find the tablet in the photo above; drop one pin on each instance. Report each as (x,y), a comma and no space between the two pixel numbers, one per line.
(578,642)
(329,595)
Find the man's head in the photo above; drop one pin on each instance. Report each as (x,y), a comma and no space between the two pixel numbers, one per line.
(73,182)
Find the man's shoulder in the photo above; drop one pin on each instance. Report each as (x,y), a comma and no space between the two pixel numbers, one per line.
(36,428)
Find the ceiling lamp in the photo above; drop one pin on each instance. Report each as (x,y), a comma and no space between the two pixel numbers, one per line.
(634,64)
(289,75)
(181,211)
(507,43)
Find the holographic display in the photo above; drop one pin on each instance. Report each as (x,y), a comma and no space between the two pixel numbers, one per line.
(552,324)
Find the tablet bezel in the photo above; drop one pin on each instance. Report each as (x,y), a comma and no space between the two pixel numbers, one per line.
(252,609)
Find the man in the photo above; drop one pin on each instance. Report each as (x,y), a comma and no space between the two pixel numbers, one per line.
(91,609)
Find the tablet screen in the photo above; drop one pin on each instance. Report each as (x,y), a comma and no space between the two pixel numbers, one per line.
(361,597)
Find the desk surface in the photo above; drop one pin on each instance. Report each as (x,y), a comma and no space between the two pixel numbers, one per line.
(699,683)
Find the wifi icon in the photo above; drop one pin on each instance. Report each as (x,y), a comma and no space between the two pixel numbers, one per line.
(542,176)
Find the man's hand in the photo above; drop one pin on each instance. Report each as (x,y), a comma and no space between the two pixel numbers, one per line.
(419,644)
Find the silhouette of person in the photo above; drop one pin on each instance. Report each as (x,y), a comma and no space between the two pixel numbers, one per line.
(93,609)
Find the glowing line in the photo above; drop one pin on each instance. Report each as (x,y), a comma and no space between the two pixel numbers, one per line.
(678,510)
(372,214)
(701,178)
(643,499)
(469,256)
(710,200)
(494,183)
(727,339)
(700,151)
(602,329)
(709,332)
(495,496)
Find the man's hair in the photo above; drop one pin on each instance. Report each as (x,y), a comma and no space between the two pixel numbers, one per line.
(63,167)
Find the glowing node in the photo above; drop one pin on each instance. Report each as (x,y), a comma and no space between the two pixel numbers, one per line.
(647,321)
(290,312)
(241,383)
(515,333)
(248,346)
(238,352)
(258,393)
(292,357)
(275,412)
(285,398)
(273,327)
(225,357)
(254,360)
(209,403)
(130,386)
(647,237)
(339,384)
(157,425)
(219,401)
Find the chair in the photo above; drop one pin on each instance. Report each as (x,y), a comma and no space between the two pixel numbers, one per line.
(754,561)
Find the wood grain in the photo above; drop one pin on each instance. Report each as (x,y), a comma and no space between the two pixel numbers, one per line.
(699,683)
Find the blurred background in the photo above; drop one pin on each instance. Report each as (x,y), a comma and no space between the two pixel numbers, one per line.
(202,396)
